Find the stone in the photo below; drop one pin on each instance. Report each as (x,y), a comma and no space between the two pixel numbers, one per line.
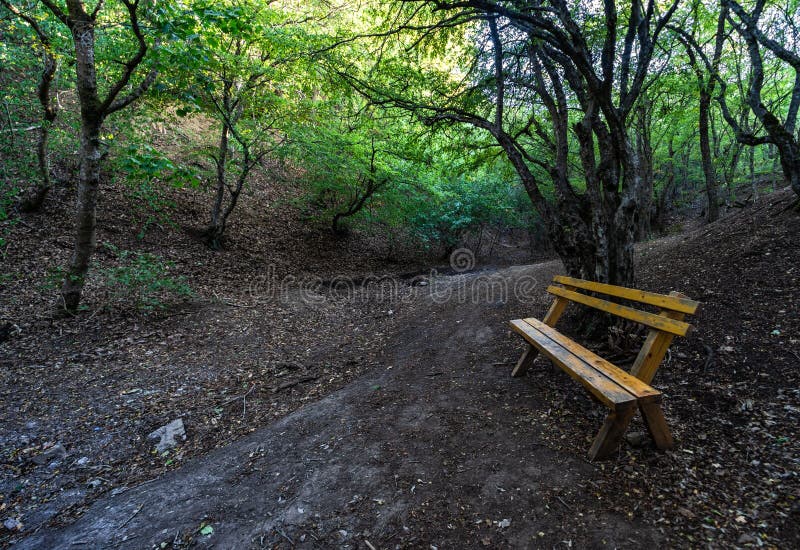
(167,435)
(54,453)
(636,439)
(12,525)
(747,539)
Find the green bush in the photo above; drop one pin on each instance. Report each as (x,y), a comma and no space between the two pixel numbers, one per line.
(143,279)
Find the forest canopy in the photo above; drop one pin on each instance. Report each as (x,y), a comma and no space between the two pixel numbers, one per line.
(583,122)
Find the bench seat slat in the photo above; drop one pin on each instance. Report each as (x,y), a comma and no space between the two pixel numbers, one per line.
(606,390)
(630,383)
(672,303)
(658,322)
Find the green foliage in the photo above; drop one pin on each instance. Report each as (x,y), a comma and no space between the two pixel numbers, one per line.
(142,279)
(147,172)
(292,95)
(8,218)
(465,203)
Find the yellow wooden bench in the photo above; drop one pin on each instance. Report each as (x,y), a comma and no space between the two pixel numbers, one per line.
(618,390)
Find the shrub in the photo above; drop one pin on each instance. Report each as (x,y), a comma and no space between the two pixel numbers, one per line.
(143,279)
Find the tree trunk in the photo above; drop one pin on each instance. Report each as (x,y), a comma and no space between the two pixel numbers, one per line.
(662,203)
(90,158)
(774,156)
(85,221)
(36,196)
(336,225)
(789,150)
(216,227)
(733,165)
(645,153)
(752,168)
(712,211)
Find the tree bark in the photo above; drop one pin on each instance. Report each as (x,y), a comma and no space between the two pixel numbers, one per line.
(90,159)
(85,219)
(645,153)
(751,161)
(36,196)
(663,198)
(216,227)
(712,210)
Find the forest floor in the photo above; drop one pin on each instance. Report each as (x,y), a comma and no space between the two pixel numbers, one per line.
(378,414)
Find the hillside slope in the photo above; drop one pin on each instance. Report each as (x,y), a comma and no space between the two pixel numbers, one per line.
(229,362)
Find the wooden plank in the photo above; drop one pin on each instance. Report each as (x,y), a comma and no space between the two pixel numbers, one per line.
(529,356)
(556,310)
(606,390)
(657,425)
(525,362)
(653,350)
(630,383)
(673,301)
(660,322)
(610,435)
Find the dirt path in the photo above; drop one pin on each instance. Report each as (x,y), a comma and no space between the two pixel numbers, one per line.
(437,446)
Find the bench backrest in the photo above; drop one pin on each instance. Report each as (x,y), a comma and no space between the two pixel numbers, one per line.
(664,325)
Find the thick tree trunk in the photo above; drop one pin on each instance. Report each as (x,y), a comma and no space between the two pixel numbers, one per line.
(626,216)
(790,163)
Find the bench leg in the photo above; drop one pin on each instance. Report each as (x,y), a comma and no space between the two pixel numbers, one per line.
(610,435)
(525,362)
(657,425)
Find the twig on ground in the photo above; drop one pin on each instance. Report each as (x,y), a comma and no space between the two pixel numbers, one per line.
(127,521)
(244,401)
(284,535)
(243,398)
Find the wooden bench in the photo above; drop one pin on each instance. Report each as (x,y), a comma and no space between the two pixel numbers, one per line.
(618,390)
